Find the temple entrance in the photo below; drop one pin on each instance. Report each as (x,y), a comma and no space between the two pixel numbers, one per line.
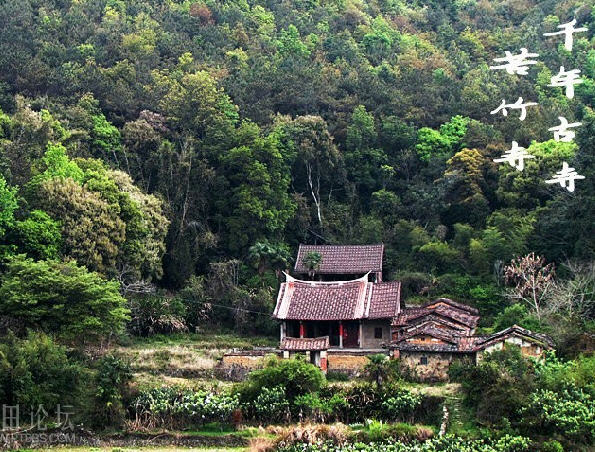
(350,334)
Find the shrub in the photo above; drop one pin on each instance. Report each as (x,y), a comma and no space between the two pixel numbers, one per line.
(552,446)
(111,382)
(61,298)
(570,413)
(498,386)
(156,315)
(332,375)
(380,369)
(445,443)
(516,314)
(295,377)
(401,405)
(387,403)
(36,371)
(271,405)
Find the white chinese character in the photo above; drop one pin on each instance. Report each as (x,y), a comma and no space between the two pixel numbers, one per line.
(515,157)
(567,79)
(10,416)
(65,424)
(518,105)
(516,64)
(41,414)
(561,132)
(565,177)
(567,30)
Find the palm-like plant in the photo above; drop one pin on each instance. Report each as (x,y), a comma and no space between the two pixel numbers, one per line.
(265,254)
(312,261)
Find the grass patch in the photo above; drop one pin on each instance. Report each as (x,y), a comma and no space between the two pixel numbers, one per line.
(212,340)
(188,355)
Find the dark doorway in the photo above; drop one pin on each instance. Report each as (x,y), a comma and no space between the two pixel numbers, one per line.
(351,335)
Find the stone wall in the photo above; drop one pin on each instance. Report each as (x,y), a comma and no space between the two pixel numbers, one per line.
(528,348)
(350,363)
(437,365)
(236,365)
(368,333)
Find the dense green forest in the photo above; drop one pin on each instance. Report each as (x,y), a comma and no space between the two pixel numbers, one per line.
(193,145)
(160,161)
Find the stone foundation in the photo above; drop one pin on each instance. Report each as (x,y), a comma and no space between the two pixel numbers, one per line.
(435,367)
(350,363)
(235,366)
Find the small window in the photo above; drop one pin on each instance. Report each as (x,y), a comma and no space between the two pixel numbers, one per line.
(377,333)
(423,360)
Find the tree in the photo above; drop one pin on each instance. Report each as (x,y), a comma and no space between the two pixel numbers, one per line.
(36,372)
(532,280)
(38,235)
(146,228)
(307,144)
(363,158)
(257,203)
(91,229)
(8,205)
(443,142)
(58,166)
(379,369)
(265,253)
(62,298)
(465,181)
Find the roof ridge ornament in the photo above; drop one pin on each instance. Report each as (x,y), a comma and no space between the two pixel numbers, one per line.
(289,278)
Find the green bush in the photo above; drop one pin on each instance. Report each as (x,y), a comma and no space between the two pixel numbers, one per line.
(336,376)
(401,405)
(271,405)
(61,298)
(445,443)
(110,386)
(294,377)
(387,403)
(156,315)
(516,314)
(381,370)
(497,387)
(570,413)
(552,446)
(36,371)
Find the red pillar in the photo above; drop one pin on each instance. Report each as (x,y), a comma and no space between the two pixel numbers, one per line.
(302,330)
(323,364)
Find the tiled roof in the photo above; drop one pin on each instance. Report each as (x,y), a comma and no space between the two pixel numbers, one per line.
(427,330)
(305,344)
(342,259)
(457,312)
(437,320)
(338,300)
(384,302)
(452,303)
(514,330)
(450,341)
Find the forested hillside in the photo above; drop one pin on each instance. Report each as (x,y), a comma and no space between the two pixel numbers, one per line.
(160,160)
(267,124)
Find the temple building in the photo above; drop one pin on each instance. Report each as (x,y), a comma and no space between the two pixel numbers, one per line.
(337,310)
